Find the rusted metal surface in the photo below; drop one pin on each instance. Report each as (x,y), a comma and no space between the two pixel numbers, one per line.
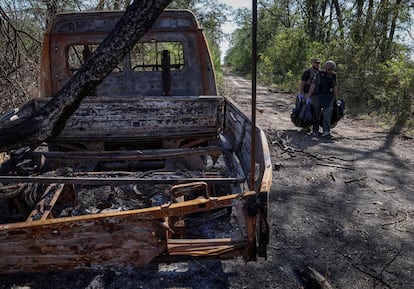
(129,155)
(143,118)
(196,78)
(119,180)
(237,130)
(108,240)
(203,248)
(43,208)
(164,139)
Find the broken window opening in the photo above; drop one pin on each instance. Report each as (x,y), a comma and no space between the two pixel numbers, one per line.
(78,54)
(147,56)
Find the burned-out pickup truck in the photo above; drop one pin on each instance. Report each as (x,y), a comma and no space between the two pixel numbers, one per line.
(153,166)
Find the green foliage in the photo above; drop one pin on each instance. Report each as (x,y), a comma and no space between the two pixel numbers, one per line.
(396,93)
(216,57)
(284,59)
(212,15)
(365,39)
(238,57)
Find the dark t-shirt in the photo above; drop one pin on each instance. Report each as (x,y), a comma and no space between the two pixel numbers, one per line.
(326,83)
(325,89)
(308,76)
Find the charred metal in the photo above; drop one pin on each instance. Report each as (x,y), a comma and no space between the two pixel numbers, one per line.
(153,165)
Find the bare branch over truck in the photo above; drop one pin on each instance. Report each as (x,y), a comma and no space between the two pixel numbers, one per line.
(50,118)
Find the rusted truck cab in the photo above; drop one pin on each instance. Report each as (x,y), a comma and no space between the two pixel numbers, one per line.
(168,67)
(153,166)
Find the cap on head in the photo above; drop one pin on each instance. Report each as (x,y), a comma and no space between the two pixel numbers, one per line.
(317,60)
(330,65)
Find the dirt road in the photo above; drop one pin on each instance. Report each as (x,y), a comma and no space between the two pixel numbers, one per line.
(342,205)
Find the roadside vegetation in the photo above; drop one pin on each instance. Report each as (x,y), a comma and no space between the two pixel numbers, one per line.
(369,40)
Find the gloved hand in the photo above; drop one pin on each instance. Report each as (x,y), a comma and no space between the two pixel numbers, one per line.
(308,101)
(301,96)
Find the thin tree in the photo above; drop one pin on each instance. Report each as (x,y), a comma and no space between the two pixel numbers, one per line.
(51,118)
(17,65)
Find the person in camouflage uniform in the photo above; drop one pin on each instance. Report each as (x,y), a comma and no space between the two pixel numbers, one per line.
(308,77)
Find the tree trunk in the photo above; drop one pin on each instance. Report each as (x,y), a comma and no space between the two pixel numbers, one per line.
(51,118)
(382,23)
(369,20)
(358,26)
(312,18)
(394,18)
(340,20)
(51,11)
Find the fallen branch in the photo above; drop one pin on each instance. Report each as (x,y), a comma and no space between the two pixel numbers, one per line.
(335,166)
(377,277)
(284,147)
(355,180)
(398,221)
(313,278)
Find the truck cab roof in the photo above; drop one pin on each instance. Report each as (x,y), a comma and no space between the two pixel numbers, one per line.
(73,37)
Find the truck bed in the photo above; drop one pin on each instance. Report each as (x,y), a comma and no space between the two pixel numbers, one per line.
(96,209)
